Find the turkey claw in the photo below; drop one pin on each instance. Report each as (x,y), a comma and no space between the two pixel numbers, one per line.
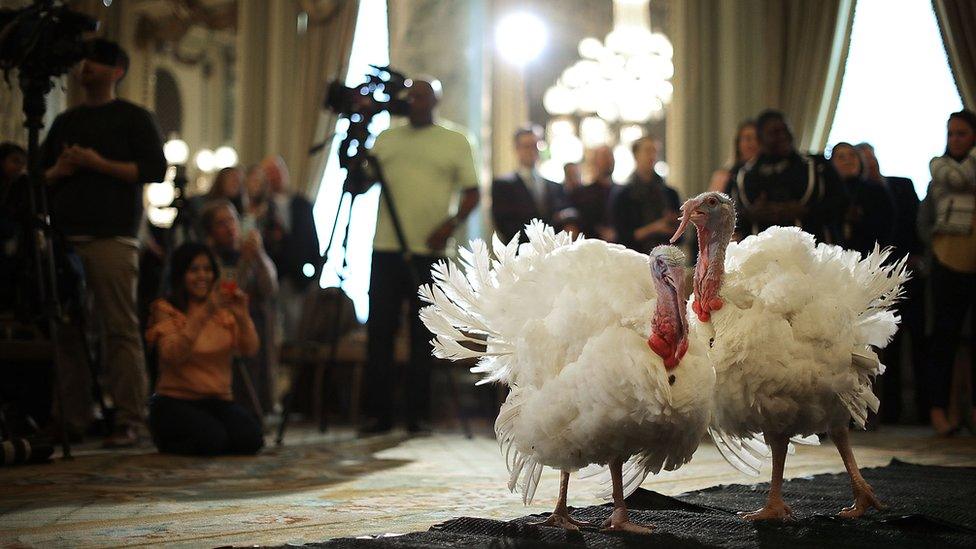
(863,500)
(780,512)
(626,527)
(562,521)
(619,522)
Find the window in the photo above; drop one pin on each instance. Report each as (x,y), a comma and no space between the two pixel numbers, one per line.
(898,89)
(371,45)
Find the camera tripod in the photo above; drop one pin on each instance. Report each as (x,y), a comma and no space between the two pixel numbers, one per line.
(371,165)
(34,91)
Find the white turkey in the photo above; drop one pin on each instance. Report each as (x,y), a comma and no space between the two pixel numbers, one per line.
(793,324)
(569,327)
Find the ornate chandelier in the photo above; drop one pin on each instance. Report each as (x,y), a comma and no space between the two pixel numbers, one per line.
(625,78)
(616,87)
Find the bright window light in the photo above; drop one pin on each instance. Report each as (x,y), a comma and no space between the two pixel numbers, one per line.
(520,38)
(370,45)
(898,88)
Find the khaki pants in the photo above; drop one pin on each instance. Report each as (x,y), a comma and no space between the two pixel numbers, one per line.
(111,273)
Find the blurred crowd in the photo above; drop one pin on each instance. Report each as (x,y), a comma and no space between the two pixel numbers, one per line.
(174,332)
(189,320)
(844,199)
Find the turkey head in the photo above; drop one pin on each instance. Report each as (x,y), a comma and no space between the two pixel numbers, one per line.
(669,327)
(713,215)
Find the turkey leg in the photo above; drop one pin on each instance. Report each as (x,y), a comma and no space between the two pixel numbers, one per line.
(863,494)
(775,508)
(618,521)
(560,517)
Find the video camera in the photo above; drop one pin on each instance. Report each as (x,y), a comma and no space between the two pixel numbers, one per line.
(384,90)
(42,40)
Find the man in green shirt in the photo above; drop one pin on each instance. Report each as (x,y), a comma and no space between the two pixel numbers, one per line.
(428,169)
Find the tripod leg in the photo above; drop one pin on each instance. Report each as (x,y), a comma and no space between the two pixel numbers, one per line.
(91,361)
(56,369)
(249,385)
(34,90)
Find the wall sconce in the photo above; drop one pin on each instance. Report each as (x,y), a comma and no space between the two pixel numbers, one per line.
(176,152)
(161,197)
(205,160)
(225,157)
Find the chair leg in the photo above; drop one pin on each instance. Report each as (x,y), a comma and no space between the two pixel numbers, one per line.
(355,400)
(249,385)
(318,386)
(456,400)
(285,412)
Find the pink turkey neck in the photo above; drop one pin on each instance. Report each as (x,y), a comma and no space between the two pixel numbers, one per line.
(669,327)
(709,269)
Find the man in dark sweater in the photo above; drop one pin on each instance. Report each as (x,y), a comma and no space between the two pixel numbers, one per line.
(523,195)
(592,202)
(96,157)
(645,211)
(785,187)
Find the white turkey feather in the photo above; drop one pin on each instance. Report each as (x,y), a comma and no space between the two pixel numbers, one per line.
(565,324)
(792,345)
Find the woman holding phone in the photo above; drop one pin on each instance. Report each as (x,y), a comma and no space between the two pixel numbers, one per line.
(198,330)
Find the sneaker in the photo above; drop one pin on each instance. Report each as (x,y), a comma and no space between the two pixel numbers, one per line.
(125,436)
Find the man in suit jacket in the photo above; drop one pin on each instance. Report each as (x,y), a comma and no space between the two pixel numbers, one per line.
(523,195)
(911,308)
(645,210)
(292,242)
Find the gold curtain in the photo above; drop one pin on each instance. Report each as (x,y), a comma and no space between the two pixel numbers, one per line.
(323,56)
(284,72)
(509,107)
(734,58)
(806,49)
(957,21)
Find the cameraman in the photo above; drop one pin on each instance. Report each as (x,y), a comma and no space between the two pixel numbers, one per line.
(97,156)
(426,167)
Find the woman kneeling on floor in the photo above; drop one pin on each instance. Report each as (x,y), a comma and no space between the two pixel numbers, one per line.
(197,332)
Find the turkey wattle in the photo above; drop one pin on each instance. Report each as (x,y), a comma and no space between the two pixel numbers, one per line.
(793,325)
(568,327)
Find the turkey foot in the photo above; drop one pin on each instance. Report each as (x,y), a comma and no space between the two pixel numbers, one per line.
(863,494)
(619,521)
(562,520)
(863,500)
(774,510)
(560,516)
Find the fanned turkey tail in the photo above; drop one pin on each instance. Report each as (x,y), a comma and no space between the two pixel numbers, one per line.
(456,313)
(457,316)
(881,287)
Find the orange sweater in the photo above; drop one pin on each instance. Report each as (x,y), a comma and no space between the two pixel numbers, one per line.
(196,351)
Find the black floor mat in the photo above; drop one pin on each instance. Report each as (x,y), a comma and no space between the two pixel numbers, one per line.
(927,506)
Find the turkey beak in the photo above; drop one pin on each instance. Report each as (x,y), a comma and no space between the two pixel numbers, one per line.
(676,279)
(687,210)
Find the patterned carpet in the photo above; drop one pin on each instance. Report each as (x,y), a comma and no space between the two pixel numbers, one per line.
(319,487)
